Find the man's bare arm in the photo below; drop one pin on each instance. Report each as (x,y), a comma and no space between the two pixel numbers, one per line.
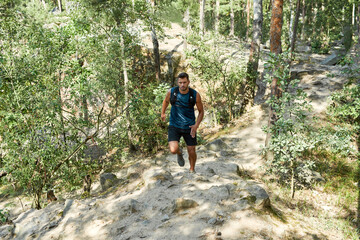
(200,117)
(165,104)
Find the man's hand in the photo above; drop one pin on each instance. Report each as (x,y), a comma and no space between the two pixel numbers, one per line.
(163,117)
(193,131)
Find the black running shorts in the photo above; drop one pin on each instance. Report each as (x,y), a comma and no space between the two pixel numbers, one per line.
(174,134)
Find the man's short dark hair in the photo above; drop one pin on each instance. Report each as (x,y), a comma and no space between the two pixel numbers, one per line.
(183,75)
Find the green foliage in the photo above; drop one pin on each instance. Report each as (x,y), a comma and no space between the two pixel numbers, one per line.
(350,69)
(290,135)
(149,131)
(65,87)
(222,73)
(4,215)
(36,133)
(320,46)
(346,105)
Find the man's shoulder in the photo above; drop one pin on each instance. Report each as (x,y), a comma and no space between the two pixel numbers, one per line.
(192,90)
(173,89)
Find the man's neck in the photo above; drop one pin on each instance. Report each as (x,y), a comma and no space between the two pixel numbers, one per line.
(184,92)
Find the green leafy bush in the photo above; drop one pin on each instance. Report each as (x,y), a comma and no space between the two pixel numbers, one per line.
(149,131)
(4,215)
(222,73)
(291,138)
(320,46)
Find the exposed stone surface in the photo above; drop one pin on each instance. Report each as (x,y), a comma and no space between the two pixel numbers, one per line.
(333,58)
(156,176)
(258,195)
(217,145)
(6,231)
(181,204)
(108,180)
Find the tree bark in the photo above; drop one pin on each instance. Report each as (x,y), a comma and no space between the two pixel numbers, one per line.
(253,64)
(291,25)
(186,19)
(353,15)
(217,16)
(232,18)
(202,17)
(275,47)
(156,54)
(314,12)
(126,93)
(276,27)
(296,21)
(60,5)
(155,42)
(247,18)
(303,20)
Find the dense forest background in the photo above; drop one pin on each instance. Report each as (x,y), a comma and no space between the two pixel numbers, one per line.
(77,76)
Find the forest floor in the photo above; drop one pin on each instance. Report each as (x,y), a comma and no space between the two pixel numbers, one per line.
(228,198)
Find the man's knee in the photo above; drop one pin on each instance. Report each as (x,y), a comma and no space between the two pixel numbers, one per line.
(173,150)
(191,149)
(174,147)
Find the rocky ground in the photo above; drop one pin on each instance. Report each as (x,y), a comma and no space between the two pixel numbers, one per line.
(156,199)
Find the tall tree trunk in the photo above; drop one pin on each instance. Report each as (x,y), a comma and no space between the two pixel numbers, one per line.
(126,93)
(248,5)
(291,24)
(314,11)
(275,48)
(156,54)
(188,28)
(60,110)
(155,42)
(353,15)
(296,21)
(217,16)
(60,5)
(270,5)
(303,20)
(202,17)
(253,64)
(232,18)
(276,27)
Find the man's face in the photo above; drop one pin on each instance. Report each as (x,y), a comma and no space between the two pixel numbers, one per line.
(183,83)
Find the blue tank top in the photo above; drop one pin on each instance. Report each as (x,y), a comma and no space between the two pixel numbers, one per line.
(181,116)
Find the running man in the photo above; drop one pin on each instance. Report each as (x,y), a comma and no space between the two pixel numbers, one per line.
(182,119)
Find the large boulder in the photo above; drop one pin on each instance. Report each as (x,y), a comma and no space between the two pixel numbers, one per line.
(108,180)
(256,195)
(217,145)
(218,193)
(181,204)
(303,48)
(333,58)
(6,231)
(156,176)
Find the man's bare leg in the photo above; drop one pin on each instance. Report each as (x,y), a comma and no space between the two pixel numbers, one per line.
(192,157)
(174,147)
